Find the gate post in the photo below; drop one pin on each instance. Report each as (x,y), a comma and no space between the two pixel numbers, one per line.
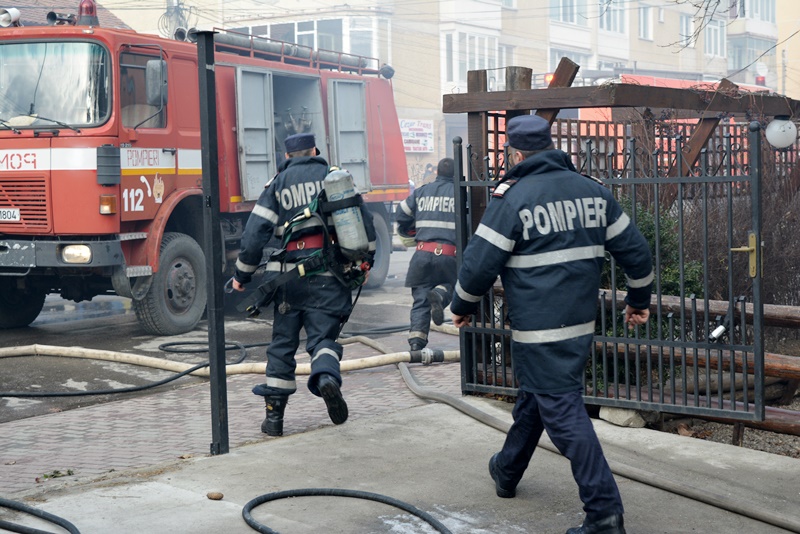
(756,175)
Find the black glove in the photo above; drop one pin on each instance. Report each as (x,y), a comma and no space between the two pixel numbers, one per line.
(242,278)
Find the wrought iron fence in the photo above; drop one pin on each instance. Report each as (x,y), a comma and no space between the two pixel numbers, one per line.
(703,220)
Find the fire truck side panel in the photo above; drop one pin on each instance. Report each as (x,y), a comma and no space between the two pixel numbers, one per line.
(227,148)
(348,129)
(388,171)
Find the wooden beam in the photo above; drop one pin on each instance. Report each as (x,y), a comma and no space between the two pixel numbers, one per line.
(705,129)
(774,314)
(623,95)
(697,142)
(563,76)
(477,138)
(518,78)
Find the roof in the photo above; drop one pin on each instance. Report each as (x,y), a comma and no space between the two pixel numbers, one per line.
(34,12)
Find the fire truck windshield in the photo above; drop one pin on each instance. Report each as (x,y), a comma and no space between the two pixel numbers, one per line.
(53,85)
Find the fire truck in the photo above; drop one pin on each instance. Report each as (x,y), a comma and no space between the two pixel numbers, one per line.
(100,157)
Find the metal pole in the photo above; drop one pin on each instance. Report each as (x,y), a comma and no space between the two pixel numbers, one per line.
(212,242)
(756,177)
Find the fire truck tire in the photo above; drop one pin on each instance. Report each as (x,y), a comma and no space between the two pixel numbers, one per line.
(19,307)
(176,299)
(383,247)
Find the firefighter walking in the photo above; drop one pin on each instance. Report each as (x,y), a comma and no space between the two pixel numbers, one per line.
(546,232)
(319,303)
(426,220)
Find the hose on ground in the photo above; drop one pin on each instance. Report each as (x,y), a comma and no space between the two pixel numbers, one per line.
(424,356)
(41,514)
(334,492)
(189,369)
(631,473)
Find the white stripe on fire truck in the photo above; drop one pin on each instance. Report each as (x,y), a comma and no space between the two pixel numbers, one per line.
(45,159)
(190,161)
(85,159)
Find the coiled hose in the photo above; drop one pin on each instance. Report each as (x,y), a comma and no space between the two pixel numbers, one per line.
(334,492)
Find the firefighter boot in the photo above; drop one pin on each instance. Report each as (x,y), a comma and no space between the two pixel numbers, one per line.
(436,300)
(416,343)
(273,423)
(610,524)
(332,395)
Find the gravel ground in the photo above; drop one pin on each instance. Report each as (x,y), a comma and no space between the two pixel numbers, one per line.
(760,440)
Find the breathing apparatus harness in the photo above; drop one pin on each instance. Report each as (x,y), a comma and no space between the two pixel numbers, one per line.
(330,258)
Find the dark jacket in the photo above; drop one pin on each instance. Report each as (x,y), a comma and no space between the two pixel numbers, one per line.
(297,183)
(429,213)
(546,231)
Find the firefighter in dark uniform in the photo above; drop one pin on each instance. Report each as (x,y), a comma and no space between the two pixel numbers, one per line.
(546,231)
(426,220)
(318,303)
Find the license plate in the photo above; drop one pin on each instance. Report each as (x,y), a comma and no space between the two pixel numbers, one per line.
(9,215)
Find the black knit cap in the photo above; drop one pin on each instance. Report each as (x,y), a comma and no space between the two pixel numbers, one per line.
(298,142)
(446,167)
(528,132)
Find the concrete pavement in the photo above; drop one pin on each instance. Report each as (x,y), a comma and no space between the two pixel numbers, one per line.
(141,465)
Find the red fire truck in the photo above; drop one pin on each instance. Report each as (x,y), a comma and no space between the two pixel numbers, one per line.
(100,157)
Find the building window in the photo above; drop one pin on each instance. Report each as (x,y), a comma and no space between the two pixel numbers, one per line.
(612,16)
(361,37)
(646,23)
(763,10)
(282,32)
(714,36)
(568,11)
(465,52)
(746,51)
(448,52)
(687,31)
(505,56)
(581,58)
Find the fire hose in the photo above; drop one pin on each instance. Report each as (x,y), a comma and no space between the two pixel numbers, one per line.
(400,359)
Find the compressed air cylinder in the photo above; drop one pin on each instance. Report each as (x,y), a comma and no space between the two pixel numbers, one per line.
(350,232)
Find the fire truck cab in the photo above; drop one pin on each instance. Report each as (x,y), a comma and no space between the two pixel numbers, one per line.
(100,158)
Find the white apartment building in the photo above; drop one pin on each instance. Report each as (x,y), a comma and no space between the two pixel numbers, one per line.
(432,44)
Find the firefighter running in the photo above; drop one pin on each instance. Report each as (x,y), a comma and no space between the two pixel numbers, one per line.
(426,220)
(318,303)
(550,263)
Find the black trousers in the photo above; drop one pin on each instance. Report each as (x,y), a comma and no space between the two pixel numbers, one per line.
(322,329)
(564,417)
(425,272)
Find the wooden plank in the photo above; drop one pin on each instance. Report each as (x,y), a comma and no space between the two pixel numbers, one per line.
(518,78)
(622,95)
(697,142)
(775,365)
(477,137)
(774,314)
(563,76)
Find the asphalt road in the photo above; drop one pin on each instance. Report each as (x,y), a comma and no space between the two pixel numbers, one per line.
(109,323)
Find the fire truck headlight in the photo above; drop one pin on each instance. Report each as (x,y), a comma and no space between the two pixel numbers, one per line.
(76,254)
(108,204)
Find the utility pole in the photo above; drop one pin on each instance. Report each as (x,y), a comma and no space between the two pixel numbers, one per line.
(783,71)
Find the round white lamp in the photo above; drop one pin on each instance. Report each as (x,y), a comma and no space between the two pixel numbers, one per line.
(781,132)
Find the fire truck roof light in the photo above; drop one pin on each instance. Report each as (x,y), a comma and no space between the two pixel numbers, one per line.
(87,13)
(76,254)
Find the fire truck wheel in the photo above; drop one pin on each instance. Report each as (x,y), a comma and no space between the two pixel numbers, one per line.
(177,297)
(19,307)
(383,247)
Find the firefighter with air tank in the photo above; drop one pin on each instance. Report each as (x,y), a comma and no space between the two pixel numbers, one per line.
(328,242)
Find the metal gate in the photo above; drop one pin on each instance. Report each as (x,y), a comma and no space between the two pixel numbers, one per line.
(702,350)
